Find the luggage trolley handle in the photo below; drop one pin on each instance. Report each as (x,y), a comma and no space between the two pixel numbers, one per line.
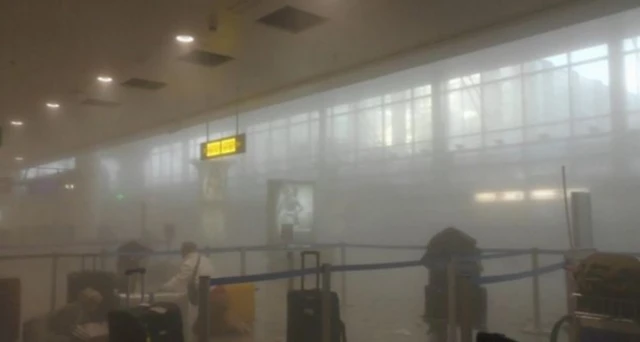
(130,272)
(303,256)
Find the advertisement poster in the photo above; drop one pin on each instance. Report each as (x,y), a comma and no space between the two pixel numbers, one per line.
(291,210)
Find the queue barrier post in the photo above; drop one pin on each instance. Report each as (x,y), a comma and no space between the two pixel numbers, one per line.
(243,261)
(103,260)
(343,277)
(535,266)
(94,262)
(536,324)
(326,303)
(290,267)
(452,317)
(466,315)
(203,308)
(54,281)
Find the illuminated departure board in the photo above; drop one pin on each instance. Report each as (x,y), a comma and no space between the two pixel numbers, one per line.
(223,147)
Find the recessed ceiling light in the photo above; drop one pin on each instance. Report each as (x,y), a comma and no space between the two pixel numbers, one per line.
(53,105)
(185,39)
(19,159)
(104,79)
(16,123)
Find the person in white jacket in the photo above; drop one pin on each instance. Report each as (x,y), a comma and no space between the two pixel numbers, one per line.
(179,282)
(190,258)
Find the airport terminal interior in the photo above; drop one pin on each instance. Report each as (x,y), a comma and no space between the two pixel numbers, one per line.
(222,138)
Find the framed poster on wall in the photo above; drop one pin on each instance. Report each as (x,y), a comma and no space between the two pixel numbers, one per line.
(290,211)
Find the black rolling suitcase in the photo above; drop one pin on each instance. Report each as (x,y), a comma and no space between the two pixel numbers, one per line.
(304,311)
(146,322)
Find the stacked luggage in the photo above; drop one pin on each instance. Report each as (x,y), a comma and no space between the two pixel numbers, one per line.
(147,322)
(609,284)
(103,282)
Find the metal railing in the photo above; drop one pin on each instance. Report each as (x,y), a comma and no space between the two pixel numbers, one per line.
(97,261)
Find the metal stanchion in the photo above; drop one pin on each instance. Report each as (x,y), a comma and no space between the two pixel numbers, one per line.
(452,317)
(343,276)
(243,261)
(203,308)
(54,281)
(326,303)
(535,265)
(290,266)
(536,325)
(466,316)
(103,260)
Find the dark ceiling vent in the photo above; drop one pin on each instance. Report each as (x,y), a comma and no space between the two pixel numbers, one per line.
(205,58)
(292,19)
(141,83)
(241,6)
(100,103)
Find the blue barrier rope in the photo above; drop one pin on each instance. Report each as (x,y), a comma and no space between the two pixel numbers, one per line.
(486,280)
(505,254)
(376,267)
(255,278)
(492,253)
(372,246)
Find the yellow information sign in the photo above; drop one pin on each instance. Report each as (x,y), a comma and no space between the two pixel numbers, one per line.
(223,147)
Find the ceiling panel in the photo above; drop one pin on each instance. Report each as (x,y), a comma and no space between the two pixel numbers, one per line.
(53,51)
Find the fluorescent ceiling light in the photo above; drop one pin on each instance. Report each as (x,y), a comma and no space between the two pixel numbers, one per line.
(104,79)
(53,105)
(544,194)
(185,38)
(16,123)
(512,196)
(19,159)
(486,197)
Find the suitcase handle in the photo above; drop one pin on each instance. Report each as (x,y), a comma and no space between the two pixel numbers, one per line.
(131,271)
(303,257)
(128,273)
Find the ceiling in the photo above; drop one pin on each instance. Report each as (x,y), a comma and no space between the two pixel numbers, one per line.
(53,51)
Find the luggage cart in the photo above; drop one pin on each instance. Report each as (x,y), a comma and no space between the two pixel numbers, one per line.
(599,319)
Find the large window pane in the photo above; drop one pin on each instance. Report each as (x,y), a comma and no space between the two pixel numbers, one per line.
(370,128)
(398,124)
(278,144)
(632,81)
(259,147)
(464,112)
(546,63)
(422,121)
(502,103)
(546,97)
(342,128)
(299,139)
(590,89)
(589,53)
(501,73)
